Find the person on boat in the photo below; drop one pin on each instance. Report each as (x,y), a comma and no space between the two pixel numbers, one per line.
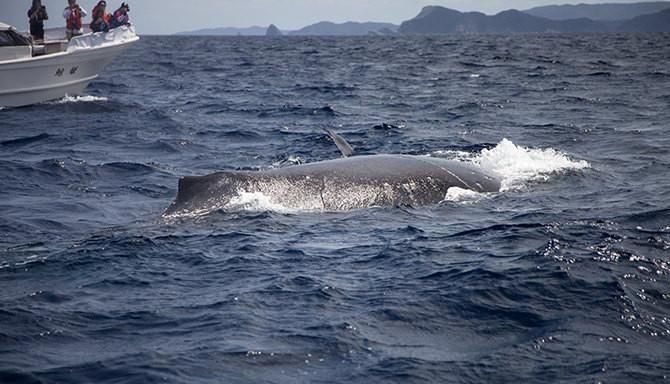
(73,15)
(100,17)
(37,14)
(120,16)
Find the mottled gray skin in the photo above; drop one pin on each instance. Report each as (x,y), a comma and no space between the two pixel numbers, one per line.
(337,185)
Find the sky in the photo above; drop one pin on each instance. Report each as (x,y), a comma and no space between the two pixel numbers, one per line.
(171,16)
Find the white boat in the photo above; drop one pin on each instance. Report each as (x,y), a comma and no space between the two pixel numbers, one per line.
(34,73)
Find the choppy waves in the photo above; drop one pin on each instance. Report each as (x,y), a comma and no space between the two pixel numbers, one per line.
(562,276)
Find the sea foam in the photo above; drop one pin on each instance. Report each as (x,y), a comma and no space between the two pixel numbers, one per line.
(78,99)
(518,166)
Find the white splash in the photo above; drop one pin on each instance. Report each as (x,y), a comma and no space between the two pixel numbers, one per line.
(256,202)
(455,155)
(291,160)
(518,165)
(79,99)
(461,195)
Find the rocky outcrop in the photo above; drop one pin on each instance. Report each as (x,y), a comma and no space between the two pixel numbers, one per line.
(273,31)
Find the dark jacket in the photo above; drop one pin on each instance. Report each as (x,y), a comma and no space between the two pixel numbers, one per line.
(38,15)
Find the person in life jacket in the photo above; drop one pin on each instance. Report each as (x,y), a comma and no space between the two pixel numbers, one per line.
(120,16)
(37,14)
(100,17)
(73,14)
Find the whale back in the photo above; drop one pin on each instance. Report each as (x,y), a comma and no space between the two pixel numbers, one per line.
(396,169)
(383,180)
(340,184)
(209,192)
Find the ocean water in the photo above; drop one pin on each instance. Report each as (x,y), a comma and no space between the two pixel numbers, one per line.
(563,276)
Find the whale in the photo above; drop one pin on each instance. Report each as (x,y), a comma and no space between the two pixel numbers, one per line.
(347,183)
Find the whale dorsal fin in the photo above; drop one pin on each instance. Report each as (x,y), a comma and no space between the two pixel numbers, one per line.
(341,143)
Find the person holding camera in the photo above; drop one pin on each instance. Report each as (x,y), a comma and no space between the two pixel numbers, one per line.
(120,16)
(73,15)
(37,14)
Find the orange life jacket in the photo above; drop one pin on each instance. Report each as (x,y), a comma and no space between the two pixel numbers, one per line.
(74,21)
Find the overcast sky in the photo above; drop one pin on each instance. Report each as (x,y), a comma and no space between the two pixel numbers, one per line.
(170,16)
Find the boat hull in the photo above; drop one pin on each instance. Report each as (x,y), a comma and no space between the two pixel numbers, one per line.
(42,78)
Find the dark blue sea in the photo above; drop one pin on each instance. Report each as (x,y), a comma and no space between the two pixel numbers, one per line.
(562,276)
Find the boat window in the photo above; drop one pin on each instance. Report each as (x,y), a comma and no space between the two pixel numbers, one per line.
(5,39)
(11,39)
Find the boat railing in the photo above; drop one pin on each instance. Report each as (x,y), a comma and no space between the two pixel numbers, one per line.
(115,36)
(86,41)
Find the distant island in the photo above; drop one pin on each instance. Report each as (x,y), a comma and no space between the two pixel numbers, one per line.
(227,31)
(598,12)
(435,20)
(324,28)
